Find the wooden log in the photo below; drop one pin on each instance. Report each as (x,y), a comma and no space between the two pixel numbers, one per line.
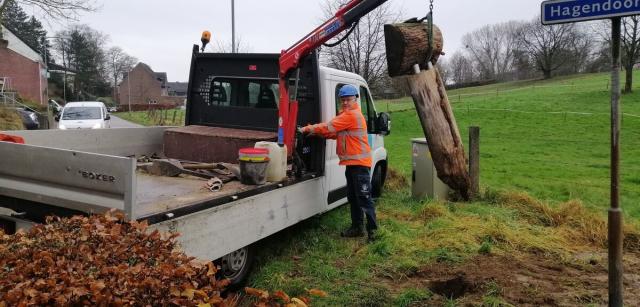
(407,44)
(440,129)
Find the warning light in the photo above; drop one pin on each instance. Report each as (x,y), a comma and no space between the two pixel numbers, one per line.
(253,67)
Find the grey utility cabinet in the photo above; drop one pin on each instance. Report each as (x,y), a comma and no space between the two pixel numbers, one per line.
(424,177)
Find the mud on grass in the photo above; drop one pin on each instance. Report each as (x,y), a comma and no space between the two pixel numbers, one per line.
(522,280)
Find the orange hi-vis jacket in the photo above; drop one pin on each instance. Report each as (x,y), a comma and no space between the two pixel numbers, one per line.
(349,128)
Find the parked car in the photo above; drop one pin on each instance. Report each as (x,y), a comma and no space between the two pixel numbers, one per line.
(29,118)
(84,115)
(112,109)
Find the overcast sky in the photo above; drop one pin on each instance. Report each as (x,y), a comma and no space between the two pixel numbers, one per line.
(161,32)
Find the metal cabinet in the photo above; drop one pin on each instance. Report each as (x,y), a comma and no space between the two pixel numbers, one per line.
(424,177)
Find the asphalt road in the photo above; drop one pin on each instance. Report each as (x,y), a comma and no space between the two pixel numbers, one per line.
(117,122)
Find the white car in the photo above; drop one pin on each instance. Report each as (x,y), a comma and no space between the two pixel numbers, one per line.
(84,115)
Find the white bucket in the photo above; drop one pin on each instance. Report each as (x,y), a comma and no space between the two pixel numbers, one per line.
(277,168)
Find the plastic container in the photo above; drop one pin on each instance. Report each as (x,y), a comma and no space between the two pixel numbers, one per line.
(277,168)
(253,154)
(253,173)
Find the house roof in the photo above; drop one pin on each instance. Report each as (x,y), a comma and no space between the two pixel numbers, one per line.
(178,86)
(19,46)
(15,33)
(53,67)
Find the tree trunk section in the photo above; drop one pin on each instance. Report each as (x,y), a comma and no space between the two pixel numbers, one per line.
(628,83)
(407,44)
(441,130)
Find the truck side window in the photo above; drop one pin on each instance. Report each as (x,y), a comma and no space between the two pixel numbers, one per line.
(366,104)
(220,93)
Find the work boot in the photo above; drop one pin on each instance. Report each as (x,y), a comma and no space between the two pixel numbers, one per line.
(352,232)
(371,236)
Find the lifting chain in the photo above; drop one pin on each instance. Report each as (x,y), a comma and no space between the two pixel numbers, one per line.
(430,17)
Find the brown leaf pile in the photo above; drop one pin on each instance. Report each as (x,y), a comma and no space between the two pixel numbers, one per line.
(102,260)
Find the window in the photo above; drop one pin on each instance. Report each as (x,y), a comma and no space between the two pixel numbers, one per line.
(366,106)
(230,92)
(79,113)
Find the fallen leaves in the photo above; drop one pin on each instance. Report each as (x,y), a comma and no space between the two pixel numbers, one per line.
(281,299)
(104,260)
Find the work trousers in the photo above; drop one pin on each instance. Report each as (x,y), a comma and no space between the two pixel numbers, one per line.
(359,196)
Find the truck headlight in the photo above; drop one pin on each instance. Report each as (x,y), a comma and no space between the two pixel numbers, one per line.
(97,126)
(62,127)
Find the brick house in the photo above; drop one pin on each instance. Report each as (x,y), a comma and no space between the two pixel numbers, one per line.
(142,87)
(22,68)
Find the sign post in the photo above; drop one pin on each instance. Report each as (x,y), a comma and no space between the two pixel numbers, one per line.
(566,11)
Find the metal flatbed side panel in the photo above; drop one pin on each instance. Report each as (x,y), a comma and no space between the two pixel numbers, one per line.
(158,194)
(76,180)
(116,141)
(215,232)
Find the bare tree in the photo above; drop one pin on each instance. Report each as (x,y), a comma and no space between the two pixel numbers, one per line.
(461,68)
(226,46)
(118,63)
(492,48)
(547,45)
(53,9)
(630,45)
(363,51)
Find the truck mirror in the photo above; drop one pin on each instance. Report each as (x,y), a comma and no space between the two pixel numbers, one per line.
(383,123)
(108,117)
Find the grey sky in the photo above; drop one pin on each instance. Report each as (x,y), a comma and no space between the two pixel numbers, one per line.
(161,32)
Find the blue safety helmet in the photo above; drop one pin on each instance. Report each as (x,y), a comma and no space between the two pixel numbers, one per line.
(348,90)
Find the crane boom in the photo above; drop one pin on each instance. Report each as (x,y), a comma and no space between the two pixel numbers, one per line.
(291,58)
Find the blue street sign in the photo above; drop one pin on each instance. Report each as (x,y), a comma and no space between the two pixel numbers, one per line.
(564,11)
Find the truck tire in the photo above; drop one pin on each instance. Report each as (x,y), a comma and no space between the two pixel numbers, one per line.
(377,181)
(236,266)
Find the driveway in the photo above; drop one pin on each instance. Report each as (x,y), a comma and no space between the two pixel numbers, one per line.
(117,122)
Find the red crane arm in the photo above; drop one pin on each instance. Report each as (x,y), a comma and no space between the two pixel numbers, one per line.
(290,59)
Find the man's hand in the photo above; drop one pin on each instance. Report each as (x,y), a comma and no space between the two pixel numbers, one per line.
(303,130)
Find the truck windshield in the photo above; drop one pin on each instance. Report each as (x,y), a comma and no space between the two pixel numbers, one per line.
(71,113)
(250,93)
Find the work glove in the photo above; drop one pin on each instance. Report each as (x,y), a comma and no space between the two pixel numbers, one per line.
(302,130)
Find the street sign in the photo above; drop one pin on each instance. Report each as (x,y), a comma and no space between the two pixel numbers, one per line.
(564,11)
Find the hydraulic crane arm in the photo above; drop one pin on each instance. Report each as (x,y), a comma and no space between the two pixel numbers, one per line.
(291,58)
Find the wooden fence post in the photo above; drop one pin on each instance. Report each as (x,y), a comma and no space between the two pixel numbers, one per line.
(474,160)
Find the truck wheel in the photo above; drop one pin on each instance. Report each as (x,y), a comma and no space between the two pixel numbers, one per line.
(377,181)
(236,266)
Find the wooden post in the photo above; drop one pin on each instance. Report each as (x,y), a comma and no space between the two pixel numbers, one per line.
(474,160)
(440,128)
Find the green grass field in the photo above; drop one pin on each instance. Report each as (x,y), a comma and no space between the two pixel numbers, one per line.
(548,139)
(172,117)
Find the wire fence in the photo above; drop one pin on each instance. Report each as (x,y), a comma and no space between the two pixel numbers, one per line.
(404,106)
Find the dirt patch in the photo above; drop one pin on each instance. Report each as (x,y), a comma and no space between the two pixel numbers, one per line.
(395,180)
(528,280)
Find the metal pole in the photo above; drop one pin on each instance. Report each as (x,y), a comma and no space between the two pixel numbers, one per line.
(615,212)
(129,89)
(233,26)
(474,160)
(64,80)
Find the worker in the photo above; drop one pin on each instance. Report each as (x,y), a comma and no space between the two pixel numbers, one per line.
(350,130)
